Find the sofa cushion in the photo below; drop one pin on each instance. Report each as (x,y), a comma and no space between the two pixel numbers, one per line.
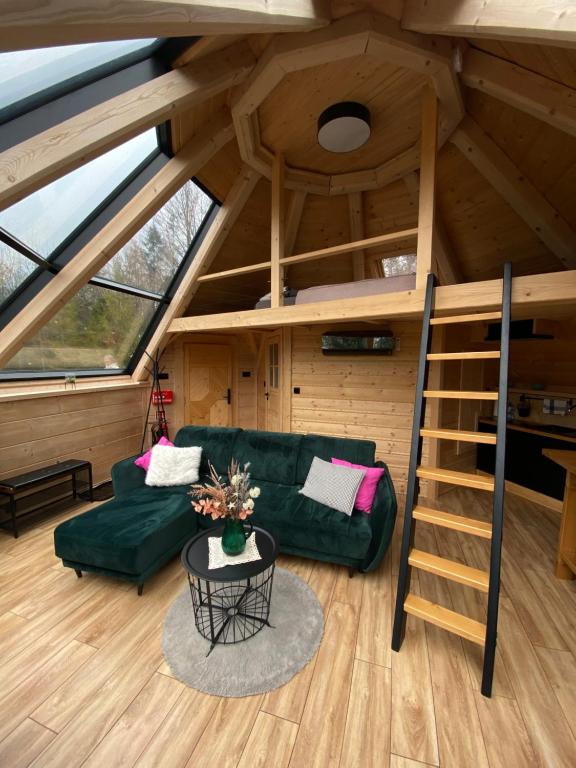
(273,456)
(299,522)
(127,534)
(216,444)
(325,447)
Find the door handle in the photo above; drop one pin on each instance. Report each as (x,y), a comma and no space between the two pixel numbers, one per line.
(228,396)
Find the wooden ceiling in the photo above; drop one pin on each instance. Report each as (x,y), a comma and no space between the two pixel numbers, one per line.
(392,94)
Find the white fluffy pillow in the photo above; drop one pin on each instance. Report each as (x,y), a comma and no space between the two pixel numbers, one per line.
(173,466)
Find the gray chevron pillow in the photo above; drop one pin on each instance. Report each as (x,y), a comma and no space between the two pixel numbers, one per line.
(332,485)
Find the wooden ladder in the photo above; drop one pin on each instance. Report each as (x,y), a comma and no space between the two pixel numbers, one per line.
(488,582)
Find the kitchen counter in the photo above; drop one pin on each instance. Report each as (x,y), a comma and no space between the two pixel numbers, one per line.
(533,427)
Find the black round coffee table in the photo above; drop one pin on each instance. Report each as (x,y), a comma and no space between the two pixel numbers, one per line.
(232,603)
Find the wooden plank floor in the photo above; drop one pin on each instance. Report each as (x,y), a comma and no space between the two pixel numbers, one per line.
(83,681)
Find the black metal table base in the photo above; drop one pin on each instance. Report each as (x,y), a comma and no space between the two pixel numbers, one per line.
(230,612)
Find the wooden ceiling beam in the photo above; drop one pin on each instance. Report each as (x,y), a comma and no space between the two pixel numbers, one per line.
(60,22)
(219,230)
(68,145)
(193,156)
(525,21)
(509,181)
(532,93)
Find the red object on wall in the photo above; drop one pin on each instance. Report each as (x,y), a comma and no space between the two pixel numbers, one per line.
(166,395)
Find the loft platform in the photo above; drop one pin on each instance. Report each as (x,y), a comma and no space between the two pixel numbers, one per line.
(530,294)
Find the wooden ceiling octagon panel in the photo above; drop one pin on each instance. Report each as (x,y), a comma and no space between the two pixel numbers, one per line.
(297,74)
(288,117)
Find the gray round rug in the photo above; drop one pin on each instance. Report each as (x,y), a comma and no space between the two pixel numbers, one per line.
(266,661)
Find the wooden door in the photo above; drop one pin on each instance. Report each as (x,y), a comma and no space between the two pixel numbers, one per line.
(208,391)
(270,385)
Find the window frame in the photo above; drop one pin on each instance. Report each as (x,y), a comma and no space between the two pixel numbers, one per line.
(163,301)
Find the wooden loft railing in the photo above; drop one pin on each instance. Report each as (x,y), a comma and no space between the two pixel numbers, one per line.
(358,245)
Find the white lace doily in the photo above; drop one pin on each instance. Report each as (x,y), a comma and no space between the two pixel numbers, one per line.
(217,558)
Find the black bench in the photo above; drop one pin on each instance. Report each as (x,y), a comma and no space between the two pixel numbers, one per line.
(11,486)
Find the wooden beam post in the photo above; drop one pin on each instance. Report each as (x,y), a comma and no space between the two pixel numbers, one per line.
(114,235)
(509,181)
(59,22)
(72,143)
(215,237)
(443,252)
(356,211)
(427,195)
(277,243)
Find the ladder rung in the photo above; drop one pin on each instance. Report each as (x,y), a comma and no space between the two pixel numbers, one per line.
(460,394)
(445,618)
(478,317)
(490,355)
(457,478)
(449,569)
(462,436)
(454,522)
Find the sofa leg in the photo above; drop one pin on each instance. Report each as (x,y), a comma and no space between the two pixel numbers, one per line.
(351,572)
(140,589)
(78,573)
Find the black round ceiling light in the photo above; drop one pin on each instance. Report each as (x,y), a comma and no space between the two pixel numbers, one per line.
(344,127)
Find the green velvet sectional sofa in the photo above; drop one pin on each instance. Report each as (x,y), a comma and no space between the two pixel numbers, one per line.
(138,531)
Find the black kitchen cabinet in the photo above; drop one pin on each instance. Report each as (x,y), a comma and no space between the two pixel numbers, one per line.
(525,464)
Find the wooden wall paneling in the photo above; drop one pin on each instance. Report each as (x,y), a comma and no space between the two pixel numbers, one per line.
(58,25)
(113,236)
(277,232)
(35,162)
(545,155)
(369,398)
(427,194)
(520,194)
(483,229)
(102,427)
(221,171)
(286,378)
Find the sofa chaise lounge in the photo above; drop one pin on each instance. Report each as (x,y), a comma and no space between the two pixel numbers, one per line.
(134,534)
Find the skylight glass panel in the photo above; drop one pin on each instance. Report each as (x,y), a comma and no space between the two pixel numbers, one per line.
(97,329)
(14,269)
(44,219)
(151,258)
(25,73)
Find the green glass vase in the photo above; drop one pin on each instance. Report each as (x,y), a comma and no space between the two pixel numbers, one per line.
(234,537)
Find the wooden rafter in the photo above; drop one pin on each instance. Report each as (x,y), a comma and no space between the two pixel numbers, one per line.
(59,22)
(509,181)
(522,20)
(193,156)
(58,150)
(531,293)
(532,93)
(215,237)
(427,193)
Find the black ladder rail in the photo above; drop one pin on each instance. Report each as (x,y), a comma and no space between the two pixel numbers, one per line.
(413,484)
(499,487)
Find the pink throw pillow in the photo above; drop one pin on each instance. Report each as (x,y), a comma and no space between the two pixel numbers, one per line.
(144,461)
(367,490)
